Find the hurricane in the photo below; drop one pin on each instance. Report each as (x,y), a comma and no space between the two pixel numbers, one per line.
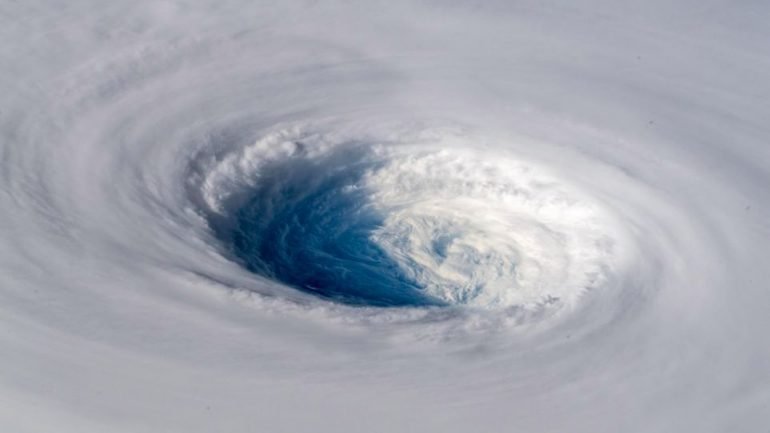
(313,216)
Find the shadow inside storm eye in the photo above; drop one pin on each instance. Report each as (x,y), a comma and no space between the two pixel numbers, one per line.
(308,224)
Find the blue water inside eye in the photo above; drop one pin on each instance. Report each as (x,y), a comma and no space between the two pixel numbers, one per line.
(309,226)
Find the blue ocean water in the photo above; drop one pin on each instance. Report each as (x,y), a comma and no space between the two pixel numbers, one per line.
(308,224)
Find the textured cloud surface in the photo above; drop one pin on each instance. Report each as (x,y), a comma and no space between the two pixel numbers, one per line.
(421,216)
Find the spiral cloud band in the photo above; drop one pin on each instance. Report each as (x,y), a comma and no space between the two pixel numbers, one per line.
(387,216)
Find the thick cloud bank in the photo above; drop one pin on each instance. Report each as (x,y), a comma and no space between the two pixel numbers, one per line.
(425,216)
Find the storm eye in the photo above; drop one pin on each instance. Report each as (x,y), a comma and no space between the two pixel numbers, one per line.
(422,225)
